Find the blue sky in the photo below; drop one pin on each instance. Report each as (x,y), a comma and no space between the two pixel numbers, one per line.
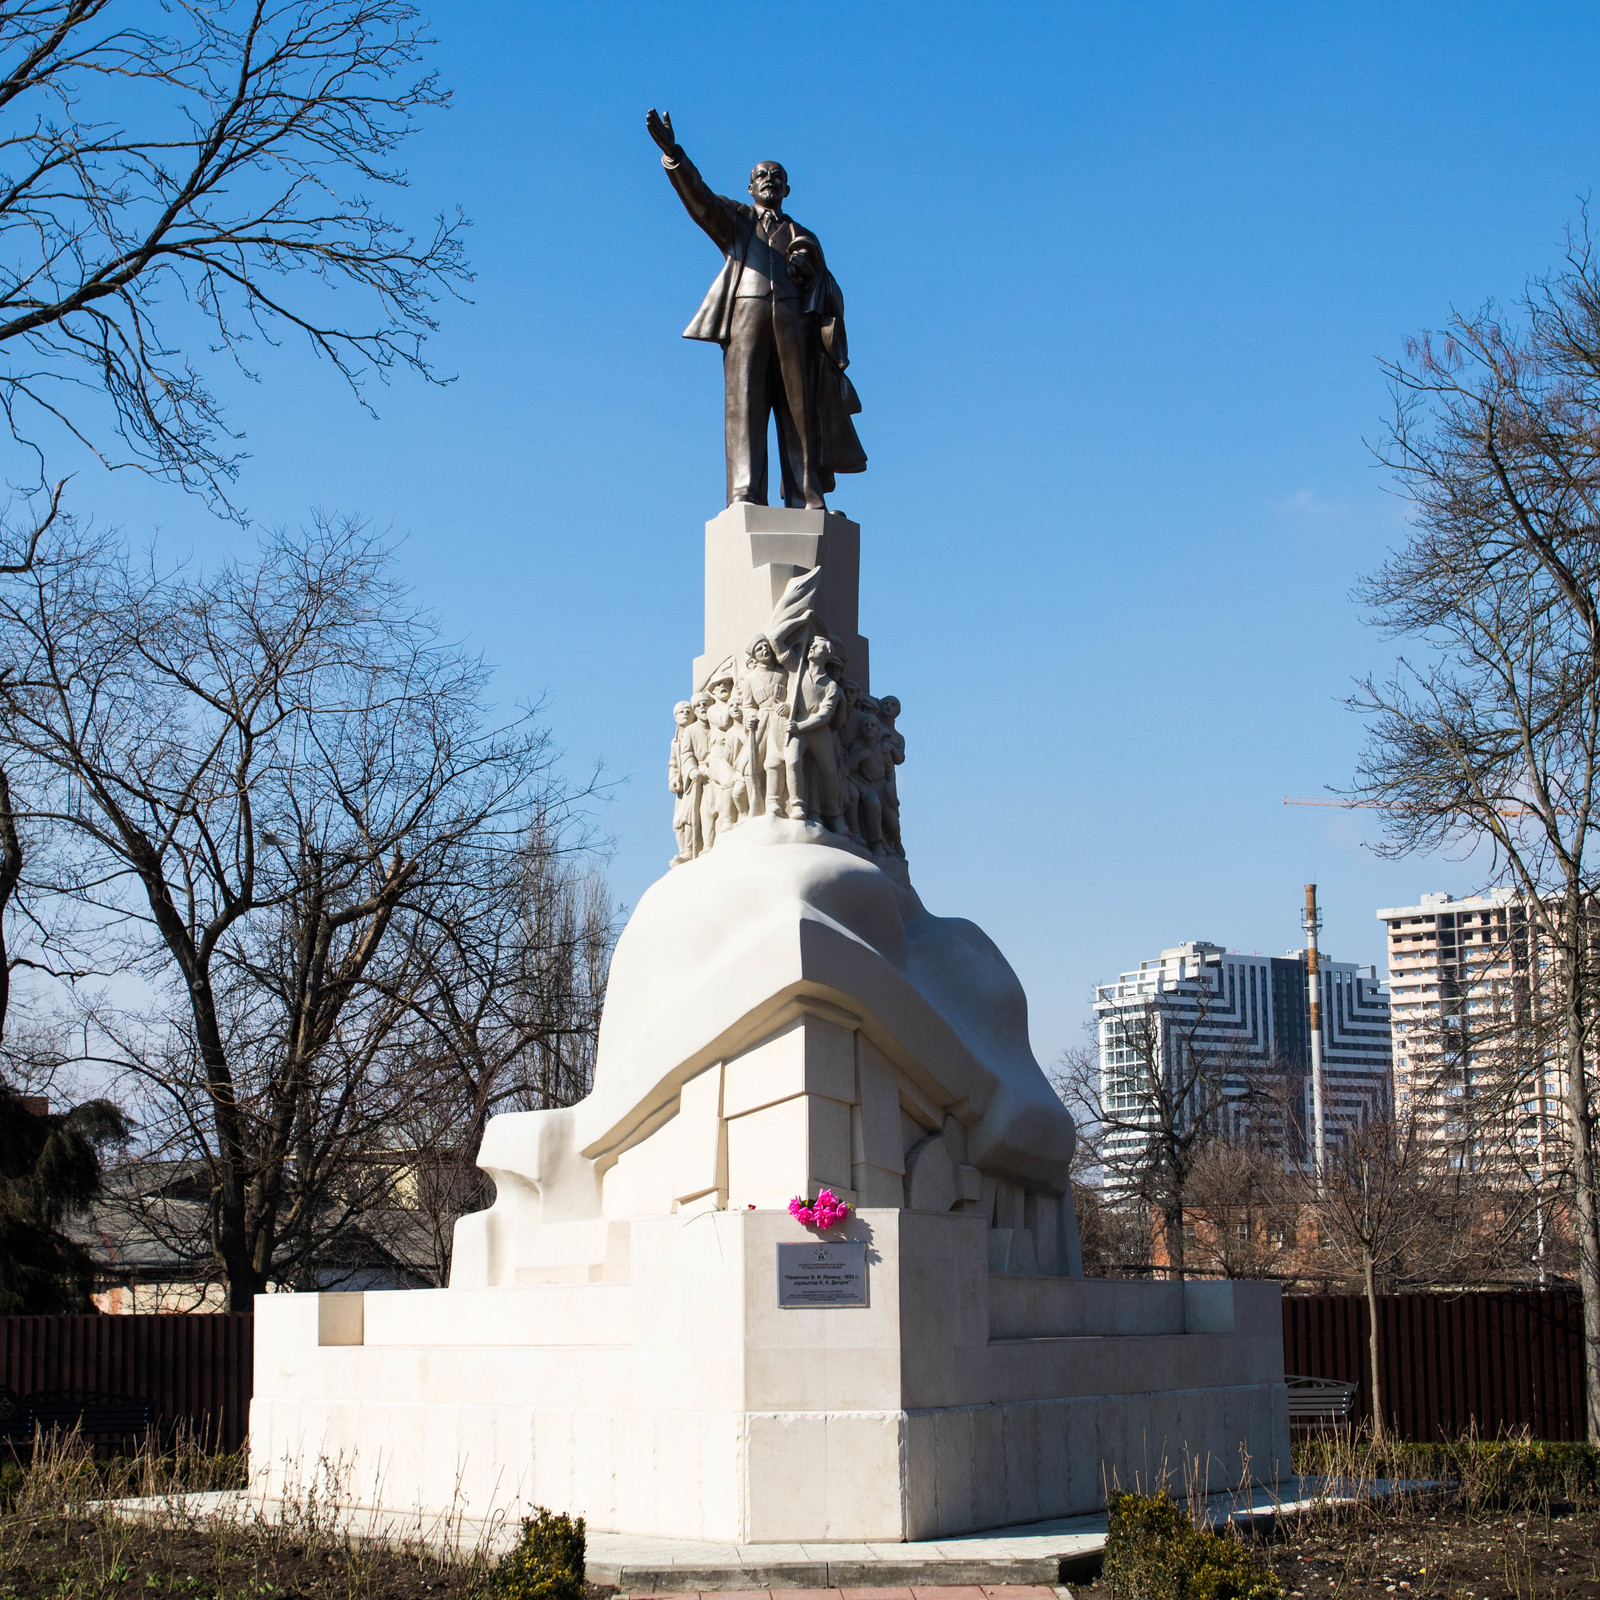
(1117,281)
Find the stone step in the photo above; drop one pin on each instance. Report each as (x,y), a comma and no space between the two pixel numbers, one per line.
(932,1591)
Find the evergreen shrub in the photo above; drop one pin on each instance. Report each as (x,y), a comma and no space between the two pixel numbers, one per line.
(547,1563)
(1155,1552)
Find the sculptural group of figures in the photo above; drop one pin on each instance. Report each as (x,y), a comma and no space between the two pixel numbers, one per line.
(786,735)
(743,747)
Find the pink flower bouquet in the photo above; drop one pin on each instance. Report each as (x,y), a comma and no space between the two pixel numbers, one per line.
(823,1212)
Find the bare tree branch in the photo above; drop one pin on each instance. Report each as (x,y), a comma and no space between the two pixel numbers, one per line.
(221,168)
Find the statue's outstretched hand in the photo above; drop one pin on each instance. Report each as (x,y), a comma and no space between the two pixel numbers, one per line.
(659,126)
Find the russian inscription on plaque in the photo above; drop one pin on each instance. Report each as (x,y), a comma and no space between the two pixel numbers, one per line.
(823,1272)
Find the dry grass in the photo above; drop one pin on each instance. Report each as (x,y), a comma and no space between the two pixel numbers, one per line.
(1477,1519)
(1512,1472)
(1499,1520)
(1471,1519)
(1512,1518)
(59,1538)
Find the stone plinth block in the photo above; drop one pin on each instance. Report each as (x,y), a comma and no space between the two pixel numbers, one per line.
(752,553)
(684,1401)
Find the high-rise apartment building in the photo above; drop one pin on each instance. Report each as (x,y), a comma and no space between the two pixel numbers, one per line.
(1250,1014)
(1464,993)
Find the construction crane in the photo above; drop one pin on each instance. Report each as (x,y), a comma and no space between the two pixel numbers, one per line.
(1384,805)
(1307,800)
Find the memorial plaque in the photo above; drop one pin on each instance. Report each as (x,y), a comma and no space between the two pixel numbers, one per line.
(823,1272)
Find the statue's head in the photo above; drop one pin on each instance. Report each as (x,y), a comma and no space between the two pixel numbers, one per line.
(821,651)
(759,652)
(722,688)
(870,729)
(889,706)
(769,184)
(682,712)
(701,703)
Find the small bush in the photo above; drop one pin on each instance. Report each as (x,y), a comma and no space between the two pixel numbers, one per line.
(547,1563)
(1512,1474)
(1155,1552)
(1230,1572)
(1518,1474)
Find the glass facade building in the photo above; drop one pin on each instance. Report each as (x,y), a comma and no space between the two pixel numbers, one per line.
(1243,1024)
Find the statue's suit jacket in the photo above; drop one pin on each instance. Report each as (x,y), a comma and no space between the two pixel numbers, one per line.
(731,226)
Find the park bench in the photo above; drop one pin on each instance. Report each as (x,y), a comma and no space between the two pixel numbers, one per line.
(13,1415)
(105,1421)
(1319,1402)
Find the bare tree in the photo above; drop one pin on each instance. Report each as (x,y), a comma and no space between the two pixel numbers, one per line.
(41,933)
(1241,1192)
(505,1014)
(175,183)
(1114,1238)
(216,158)
(1375,1208)
(1491,737)
(268,768)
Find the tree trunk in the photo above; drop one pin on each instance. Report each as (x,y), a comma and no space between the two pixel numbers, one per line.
(230,1221)
(10,872)
(1172,1221)
(230,1229)
(230,1237)
(1580,1128)
(1369,1282)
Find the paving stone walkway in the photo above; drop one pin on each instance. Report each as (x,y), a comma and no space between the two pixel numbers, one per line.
(972,1591)
(1024,1561)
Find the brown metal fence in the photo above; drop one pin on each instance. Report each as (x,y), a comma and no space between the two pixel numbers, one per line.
(1493,1361)
(192,1367)
(1489,1361)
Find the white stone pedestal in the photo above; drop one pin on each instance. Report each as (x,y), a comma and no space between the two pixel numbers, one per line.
(783,1014)
(680,1400)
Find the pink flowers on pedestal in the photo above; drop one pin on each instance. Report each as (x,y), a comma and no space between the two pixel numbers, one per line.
(823,1212)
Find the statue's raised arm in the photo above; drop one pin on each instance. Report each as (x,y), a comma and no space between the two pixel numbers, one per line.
(779,317)
(718,215)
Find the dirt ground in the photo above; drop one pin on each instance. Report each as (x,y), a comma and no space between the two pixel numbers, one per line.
(1420,1553)
(1445,1553)
(1424,1552)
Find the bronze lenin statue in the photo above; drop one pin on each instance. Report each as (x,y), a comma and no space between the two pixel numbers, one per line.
(778,314)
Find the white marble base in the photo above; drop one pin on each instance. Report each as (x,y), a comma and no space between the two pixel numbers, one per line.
(783,1014)
(680,1401)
